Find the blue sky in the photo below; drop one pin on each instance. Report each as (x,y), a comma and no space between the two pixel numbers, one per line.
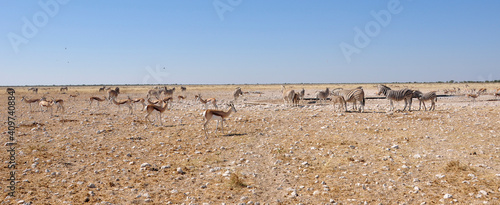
(242,41)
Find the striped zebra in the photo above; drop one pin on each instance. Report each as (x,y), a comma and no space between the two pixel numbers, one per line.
(288,95)
(323,94)
(422,97)
(353,95)
(301,94)
(397,95)
(237,92)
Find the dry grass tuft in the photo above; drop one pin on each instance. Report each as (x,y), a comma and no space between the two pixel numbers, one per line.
(455,166)
(236,182)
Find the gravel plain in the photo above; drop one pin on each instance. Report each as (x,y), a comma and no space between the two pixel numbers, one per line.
(268,154)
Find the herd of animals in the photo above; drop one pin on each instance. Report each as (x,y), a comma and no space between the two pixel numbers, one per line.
(158,98)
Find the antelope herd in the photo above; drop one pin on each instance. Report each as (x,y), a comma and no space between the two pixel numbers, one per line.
(155,103)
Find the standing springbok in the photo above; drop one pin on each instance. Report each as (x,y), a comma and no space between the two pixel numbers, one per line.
(45,103)
(216,115)
(127,102)
(152,107)
(139,100)
(92,99)
(29,101)
(473,96)
(205,102)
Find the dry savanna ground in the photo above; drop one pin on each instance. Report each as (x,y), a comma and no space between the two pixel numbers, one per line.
(268,154)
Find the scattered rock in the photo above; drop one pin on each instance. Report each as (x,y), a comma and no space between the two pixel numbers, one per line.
(180,171)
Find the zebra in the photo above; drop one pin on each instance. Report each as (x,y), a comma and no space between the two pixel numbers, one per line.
(35,90)
(154,93)
(354,95)
(397,95)
(296,99)
(340,100)
(302,93)
(237,92)
(322,95)
(102,89)
(288,95)
(167,92)
(426,97)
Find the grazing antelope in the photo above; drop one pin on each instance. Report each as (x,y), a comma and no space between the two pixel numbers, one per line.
(92,99)
(151,107)
(63,89)
(481,91)
(165,99)
(340,100)
(180,97)
(473,96)
(29,101)
(139,100)
(44,103)
(73,96)
(153,102)
(183,88)
(205,102)
(216,115)
(126,102)
(497,94)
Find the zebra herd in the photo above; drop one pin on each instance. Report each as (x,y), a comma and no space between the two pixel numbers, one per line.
(357,95)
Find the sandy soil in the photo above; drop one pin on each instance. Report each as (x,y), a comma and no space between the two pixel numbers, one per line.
(269,153)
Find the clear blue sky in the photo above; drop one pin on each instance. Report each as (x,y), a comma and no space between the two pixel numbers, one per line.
(243,41)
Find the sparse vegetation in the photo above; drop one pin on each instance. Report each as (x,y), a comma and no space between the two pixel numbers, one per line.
(269,153)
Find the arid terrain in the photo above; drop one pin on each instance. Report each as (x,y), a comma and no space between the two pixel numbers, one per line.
(269,153)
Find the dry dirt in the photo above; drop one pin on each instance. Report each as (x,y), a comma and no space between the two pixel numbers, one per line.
(269,153)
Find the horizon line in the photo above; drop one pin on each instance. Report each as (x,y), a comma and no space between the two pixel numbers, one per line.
(139,84)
